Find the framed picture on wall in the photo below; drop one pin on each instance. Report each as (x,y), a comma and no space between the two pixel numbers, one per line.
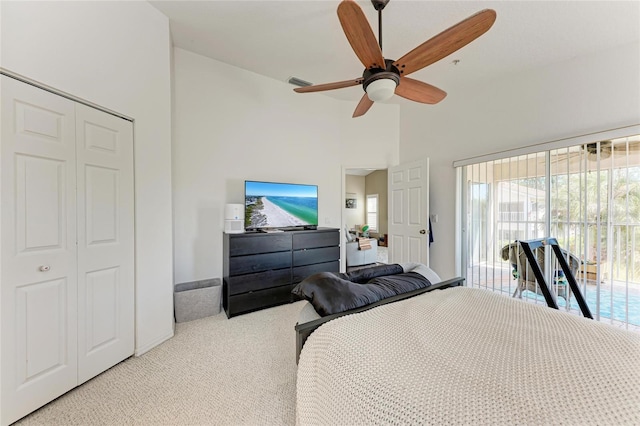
(351,203)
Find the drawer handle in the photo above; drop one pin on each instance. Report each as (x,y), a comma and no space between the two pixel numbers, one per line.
(45,268)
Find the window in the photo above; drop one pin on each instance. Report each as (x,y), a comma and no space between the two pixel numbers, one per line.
(586,196)
(372,212)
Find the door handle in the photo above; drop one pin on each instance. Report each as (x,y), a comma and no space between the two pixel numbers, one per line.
(45,268)
(422,231)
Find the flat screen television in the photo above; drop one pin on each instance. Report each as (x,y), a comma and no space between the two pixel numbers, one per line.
(271,205)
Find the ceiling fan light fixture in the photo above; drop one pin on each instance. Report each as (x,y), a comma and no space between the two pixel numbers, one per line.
(381,86)
(381,90)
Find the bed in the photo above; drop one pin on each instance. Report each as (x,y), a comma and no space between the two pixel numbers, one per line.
(457,355)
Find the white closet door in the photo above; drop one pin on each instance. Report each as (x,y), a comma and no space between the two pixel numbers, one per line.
(105,240)
(38,277)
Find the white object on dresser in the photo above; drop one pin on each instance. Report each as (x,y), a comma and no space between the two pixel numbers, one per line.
(234,218)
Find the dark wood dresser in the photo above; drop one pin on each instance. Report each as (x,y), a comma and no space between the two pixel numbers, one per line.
(261,269)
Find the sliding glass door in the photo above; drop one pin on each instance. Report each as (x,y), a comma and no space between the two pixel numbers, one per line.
(586,196)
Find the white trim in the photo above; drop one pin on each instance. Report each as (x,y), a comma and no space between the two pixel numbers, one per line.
(459,230)
(144,349)
(620,132)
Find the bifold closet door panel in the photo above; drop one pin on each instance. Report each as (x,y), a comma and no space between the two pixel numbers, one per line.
(105,240)
(38,275)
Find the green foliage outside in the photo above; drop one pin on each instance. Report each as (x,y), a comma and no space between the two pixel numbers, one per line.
(574,204)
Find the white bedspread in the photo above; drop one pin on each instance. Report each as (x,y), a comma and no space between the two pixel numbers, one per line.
(468,356)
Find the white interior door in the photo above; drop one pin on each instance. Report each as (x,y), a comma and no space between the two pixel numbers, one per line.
(38,277)
(105,240)
(409,212)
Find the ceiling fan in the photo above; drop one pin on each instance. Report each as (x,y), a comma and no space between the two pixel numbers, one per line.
(384,77)
(604,148)
(607,147)
(621,148)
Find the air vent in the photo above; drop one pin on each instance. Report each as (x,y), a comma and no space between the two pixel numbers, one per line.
(297,82)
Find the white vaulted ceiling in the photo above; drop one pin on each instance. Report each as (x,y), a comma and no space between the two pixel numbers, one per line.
(280,39)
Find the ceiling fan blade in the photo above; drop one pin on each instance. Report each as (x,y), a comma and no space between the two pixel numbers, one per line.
(363,106)
(622,147)
(360,36)
(446,42)
(328,86)
(418,91)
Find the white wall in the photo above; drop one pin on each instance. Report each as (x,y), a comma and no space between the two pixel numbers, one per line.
(231,125)
(116,55)
(354,185)
(579,96)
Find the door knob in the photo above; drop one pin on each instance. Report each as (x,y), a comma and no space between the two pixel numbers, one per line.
(45,268)
(422,231)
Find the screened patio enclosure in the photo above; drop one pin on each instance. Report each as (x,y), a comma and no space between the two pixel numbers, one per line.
(587,196)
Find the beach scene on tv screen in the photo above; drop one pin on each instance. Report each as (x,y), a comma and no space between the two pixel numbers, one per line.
(280,205)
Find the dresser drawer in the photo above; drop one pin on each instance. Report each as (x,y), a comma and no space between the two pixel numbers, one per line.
(261,299)
(259,281)
(259,262)
(302,272)
(259,243)
(317,255)
(315,239)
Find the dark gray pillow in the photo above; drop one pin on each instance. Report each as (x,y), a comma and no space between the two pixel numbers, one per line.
(331,293)
(363,275)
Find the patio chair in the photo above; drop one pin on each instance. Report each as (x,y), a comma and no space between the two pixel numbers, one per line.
(524,274)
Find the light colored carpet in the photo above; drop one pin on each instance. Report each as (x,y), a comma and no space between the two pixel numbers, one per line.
(215,371)
(383,255)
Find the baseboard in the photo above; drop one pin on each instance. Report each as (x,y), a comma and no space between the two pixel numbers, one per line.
(142,350)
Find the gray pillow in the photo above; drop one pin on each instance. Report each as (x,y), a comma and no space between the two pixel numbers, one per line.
(331,293)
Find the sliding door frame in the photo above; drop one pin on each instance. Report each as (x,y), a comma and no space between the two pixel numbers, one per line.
(465,228)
